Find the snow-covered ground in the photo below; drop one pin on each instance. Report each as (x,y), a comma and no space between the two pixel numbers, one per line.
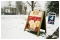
(12,27)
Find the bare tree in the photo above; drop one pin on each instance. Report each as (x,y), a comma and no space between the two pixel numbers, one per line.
(32,4)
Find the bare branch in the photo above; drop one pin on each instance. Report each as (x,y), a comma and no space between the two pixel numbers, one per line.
(28,3)
(35,2)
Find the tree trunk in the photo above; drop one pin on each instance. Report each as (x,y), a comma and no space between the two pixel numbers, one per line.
(32,5)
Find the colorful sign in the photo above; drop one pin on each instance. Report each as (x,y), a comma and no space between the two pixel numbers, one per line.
(35,21)
(51,18)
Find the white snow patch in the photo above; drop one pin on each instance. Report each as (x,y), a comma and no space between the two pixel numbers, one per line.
(12,27)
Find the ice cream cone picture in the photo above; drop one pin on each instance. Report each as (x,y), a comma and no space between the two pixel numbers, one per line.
(32,24)
(37,23)
(35,12)
(34,19)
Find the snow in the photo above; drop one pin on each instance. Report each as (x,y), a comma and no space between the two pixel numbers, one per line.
(12,27)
